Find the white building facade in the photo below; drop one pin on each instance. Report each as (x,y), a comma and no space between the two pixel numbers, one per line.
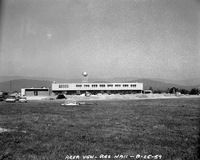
(94,88)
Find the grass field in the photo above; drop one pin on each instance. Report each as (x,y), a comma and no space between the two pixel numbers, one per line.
(46,130)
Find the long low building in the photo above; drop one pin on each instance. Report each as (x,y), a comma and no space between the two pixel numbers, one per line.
(37,92)
(94,88)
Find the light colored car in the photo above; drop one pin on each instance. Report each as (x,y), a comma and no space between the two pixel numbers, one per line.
(11,99)
(22,99)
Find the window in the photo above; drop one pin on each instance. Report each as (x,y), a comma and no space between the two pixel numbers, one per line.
(86,85)
(109,85)
(125,85)
(63,86)
(117,85)
(94,85)
(102,85)
(133,85)
(78,85)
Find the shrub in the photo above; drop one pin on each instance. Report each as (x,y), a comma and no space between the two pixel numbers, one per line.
(194,91)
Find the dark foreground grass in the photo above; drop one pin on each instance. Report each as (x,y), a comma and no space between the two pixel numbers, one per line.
(47,130)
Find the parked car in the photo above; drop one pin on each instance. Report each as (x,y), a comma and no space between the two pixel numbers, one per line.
(22,99)
(11,99)
(3,96)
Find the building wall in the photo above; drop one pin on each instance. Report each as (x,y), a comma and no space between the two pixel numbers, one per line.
(23,92)
(43,93)
(35,92)
(29,93)
(97,87)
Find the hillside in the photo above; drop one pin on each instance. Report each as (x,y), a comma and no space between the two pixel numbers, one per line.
(161,85)
(16,85)
(186,82)
(10,78)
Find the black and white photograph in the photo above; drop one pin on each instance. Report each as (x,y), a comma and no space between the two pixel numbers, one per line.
(99,79)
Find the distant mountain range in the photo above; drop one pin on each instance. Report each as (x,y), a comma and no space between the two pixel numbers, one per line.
(15,83)
(162,85)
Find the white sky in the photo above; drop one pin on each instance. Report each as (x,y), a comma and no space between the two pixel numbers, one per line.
(106,38)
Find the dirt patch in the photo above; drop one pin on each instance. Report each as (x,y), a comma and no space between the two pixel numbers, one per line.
(119,97)
(4,130)
(8,130)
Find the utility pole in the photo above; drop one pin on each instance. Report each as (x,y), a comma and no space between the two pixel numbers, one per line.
(10,85)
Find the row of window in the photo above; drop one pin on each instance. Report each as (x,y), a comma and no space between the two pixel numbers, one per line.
(108,85)
(101,85)
(63,86)
(133,85)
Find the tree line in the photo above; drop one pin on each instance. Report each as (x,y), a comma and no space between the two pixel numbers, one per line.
(174,90)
